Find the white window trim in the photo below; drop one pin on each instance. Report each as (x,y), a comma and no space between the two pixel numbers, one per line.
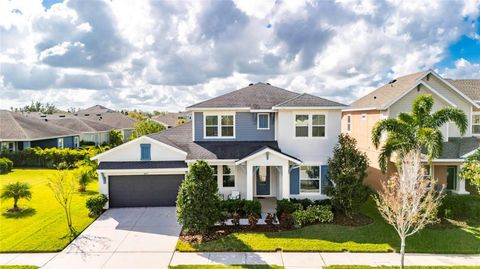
(319,180)
(219,126)
(76,142)
(258,121)
(62,143)
(310,125)
(349,123)
(473,115)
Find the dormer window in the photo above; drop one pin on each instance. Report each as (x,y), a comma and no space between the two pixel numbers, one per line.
(263,121)
(219,126)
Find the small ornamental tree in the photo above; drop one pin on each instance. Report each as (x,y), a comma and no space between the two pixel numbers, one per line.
(409,201)
(115,138)
(471,170)
(198,203)
(145,127)
(347,169)
(16,191)
(63,187)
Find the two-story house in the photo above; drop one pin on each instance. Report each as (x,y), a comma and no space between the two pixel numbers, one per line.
(261,141)
(398,96)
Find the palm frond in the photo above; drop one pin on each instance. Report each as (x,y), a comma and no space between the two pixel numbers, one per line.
(431,139)
(387,125)
(422,106)
(391,146)
(454,115)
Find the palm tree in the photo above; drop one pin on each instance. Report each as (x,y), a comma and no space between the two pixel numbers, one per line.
(16,191)
(419,129)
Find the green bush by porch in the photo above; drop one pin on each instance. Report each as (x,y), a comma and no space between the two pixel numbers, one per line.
(375,237)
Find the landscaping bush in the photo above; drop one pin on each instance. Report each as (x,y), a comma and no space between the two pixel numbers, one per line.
(252,207)
(86,143)
(96,203)
(253,219)
(233,205)
(198,205)
(287,206)
(460,207)
(314,213)
(6,165)
(286,220)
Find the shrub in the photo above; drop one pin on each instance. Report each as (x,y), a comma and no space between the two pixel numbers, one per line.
(6,165)
(347,169)
(252,207)
(286,220)
(116,138)
(314,213)
(86,143)
(236,219)
(269,219)
(96,203)
(287,206)
(460,207)
(253,219)
(233,205)
(84,175)
(198,205)
(16,191)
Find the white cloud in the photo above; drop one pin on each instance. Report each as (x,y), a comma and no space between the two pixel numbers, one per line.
(463,69)
(170,54)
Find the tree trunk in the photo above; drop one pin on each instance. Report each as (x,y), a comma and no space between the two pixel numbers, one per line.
(15,204)
(402,252)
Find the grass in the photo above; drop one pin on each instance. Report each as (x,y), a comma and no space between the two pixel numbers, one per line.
(395,267)
(42,226)
(226,267)
(18,267)
(375,237)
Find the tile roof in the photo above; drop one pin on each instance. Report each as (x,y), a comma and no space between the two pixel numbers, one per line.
(382,96)
(17,126)
(456,147)
(470,87)
(260,96)
(180,137)
(141,165)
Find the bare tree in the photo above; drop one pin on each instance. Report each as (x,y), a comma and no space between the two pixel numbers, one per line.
(409,201)
(63,186)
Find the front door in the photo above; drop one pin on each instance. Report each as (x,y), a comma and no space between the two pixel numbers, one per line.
(262,178)
(451,177)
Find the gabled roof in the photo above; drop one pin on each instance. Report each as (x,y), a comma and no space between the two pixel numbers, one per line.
(113,119)
(170,119)
(308,100)
(142,165)
(14,126)
(470,87)
(261,96)
(381,97)
(80,124)
(95,109)
(181,138)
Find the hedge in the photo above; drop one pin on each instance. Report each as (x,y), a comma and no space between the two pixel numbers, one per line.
(460,207)
(51,157)
(6,165)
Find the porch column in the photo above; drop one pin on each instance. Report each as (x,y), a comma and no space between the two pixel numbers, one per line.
(285,182)
(461,183)
(249,182)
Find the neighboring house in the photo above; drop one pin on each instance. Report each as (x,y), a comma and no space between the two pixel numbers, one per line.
(170,120)
(18,132)
(109,117)
(262,141)
(397,96)
(88,130)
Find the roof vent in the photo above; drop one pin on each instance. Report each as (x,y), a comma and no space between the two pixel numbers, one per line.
(268,83)
(99,115)
(46,119)
(251,84)
(374,97)
(100,118)
(76,114)
(392,81)
(43,116)
(87,114)
(62,116)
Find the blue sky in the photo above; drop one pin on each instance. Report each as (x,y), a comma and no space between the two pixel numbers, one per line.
(166,55)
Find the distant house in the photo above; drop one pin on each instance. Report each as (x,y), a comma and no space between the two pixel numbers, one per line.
(172,119)
(114,119)
(18,132)
(89,131)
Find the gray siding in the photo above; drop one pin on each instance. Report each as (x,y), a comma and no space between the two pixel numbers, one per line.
(245,128)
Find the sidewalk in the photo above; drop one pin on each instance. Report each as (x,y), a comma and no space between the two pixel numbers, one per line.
(287,259)
(319,259)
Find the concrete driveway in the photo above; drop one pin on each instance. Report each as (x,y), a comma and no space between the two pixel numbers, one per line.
(124,238)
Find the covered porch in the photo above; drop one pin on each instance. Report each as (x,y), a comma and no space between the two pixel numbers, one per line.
(448,174)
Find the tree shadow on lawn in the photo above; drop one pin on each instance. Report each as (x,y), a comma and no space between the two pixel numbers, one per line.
(23,213)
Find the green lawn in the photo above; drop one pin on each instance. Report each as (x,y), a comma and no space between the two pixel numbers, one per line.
(375,237)
(226,267)
(42,227)
(18,267)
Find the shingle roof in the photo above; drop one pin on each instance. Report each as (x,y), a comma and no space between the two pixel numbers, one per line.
(456,147)
(170,119)
(382,96)
(16,126)
(68,120)
(95,109)
(305,100)
(180,137)
(141,165)
(113,119)
(470,87)
(261,96)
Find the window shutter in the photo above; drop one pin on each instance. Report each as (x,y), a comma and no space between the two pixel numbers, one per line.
(295,181)
(145,154)
(324,178)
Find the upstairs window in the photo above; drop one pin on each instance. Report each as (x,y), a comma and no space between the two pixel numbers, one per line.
(349,123)
(310,125)
(263,121)
(145,153)
(219,126)
(476,124)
